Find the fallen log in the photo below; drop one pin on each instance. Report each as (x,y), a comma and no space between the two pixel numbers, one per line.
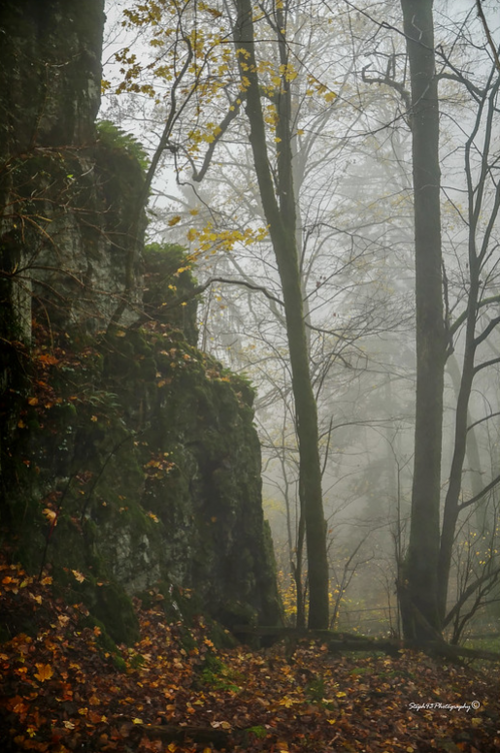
(448,650)
(284,632)
(170,733)
(337,642)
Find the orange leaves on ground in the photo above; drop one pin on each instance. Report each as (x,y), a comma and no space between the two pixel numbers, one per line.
(18,705)
(61,691)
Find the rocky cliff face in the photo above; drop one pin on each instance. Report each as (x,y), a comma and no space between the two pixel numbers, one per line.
(129,462)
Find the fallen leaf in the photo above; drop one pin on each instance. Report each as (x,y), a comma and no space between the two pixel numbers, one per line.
(45,672)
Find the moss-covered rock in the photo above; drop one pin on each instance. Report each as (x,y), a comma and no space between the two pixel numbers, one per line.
(128,458)
(144,468)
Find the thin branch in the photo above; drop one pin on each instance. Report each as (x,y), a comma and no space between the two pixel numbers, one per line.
(233,111)
(244,283)
(482,420)
(491,43)
(463,316)
(481,494)
(485,365)
(467,593)
(402,91)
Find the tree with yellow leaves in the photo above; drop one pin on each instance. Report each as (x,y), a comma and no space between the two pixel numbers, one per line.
(205,69)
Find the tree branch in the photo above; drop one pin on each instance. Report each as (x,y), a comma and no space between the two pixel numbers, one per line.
(481,494)
(233,111)
(468,592)
(404,93)
(491,43)
(463,316)
(485,365)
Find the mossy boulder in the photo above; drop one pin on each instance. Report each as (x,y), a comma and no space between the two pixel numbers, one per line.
(148,459)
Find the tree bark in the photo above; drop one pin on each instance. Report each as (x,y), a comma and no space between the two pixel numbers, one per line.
(280,215)
(419,589)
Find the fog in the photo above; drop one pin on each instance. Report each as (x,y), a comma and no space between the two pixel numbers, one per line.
(354,225)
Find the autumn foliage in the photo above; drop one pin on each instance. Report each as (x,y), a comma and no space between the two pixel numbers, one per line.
(64,688)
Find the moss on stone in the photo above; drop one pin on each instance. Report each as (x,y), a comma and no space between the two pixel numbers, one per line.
(143,446)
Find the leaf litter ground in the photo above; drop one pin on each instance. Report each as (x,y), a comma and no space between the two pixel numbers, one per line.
(64,689)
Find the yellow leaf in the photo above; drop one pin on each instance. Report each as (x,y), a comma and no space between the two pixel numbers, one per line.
(44,673)
(174,220)
(50,515)
(137,720)
(78,575)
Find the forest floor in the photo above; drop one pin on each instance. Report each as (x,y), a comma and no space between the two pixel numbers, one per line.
(62,690)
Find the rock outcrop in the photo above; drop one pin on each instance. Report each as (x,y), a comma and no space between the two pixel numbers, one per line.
(129,460)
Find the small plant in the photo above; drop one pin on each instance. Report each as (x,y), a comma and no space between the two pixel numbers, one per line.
(258,731)
(114,137)
(218,675)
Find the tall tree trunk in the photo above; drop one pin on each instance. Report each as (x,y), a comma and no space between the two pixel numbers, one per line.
(419,589)
(280,215)
(451,506)
(478,252)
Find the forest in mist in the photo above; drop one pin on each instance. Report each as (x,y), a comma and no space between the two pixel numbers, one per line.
(249,376)
(339,98)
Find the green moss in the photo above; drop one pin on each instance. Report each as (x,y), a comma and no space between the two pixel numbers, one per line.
(170,288)
(114,608)
(218,675)
(119,663)
(127,401)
